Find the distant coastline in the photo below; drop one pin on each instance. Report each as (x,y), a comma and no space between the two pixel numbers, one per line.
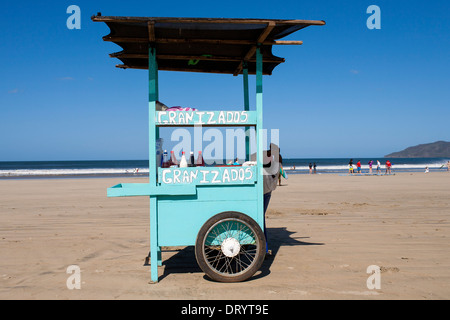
(438,149)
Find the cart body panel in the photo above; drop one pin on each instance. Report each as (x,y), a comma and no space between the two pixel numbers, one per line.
(181,217)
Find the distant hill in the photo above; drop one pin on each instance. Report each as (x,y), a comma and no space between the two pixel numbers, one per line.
(438,149)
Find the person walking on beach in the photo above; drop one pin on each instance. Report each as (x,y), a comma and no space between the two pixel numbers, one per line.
(388,167)
(358,167)
(271,169)
(378,167)
(350,166)
(370,166)
(310,168)
(315,167)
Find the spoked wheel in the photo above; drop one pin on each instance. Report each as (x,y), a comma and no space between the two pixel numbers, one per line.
(230,247)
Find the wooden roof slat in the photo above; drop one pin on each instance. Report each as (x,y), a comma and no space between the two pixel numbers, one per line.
(191,57)
(204,41)
(151,32)
(99,18)
(252,50)
(124,66)
(217,45)
(285,42)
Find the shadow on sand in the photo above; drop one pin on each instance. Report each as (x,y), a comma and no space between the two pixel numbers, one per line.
(183,261)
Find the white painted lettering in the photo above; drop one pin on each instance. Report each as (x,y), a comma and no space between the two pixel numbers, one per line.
(164,178)
(214,179)
(176,176)
(211,116)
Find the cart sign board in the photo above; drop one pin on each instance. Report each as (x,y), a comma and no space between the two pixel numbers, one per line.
(205,118)
(207,176)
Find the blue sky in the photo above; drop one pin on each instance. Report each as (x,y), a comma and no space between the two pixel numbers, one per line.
(346,92)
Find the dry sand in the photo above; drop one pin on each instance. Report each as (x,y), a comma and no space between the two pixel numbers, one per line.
(325,230)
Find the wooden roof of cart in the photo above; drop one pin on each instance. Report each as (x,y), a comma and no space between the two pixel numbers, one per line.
(212,45)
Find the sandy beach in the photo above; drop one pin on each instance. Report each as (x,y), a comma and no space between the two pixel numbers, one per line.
(325,230)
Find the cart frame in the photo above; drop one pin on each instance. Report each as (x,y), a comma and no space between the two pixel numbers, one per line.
(200,194)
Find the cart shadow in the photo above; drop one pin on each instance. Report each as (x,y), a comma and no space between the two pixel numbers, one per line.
(277,238)
(184,261)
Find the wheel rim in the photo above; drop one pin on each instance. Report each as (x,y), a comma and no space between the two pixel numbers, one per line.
(230,247)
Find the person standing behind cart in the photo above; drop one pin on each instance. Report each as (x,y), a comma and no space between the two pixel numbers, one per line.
(271,166)
(281,169)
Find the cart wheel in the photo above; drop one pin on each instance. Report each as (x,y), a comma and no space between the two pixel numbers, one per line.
(230,247)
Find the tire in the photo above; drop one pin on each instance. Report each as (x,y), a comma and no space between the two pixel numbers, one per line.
(230,247)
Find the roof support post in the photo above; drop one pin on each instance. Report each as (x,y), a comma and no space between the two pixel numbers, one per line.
(259,133)
(155,250)
(246,108)
(152,98)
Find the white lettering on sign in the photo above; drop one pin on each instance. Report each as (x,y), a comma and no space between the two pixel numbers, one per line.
(211,116)
(203,118)
(225,176)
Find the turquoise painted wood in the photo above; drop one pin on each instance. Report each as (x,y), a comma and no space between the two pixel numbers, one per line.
(155,250)
(146,189)
(259,131)
(207,176)
(191,212)
(246,108)
(183,199)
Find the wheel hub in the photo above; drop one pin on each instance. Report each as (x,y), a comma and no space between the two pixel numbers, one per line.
(230,247)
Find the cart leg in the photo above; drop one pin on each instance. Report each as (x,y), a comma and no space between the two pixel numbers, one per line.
(154,249)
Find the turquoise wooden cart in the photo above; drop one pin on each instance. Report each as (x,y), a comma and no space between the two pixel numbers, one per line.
(218,209)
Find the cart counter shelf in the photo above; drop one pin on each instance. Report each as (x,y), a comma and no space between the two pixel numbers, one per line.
(186,199)
(179,179)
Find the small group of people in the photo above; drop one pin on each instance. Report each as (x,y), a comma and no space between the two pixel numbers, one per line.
(312,167)
(370,163)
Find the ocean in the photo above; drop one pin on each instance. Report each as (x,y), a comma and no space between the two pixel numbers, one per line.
(130,168)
